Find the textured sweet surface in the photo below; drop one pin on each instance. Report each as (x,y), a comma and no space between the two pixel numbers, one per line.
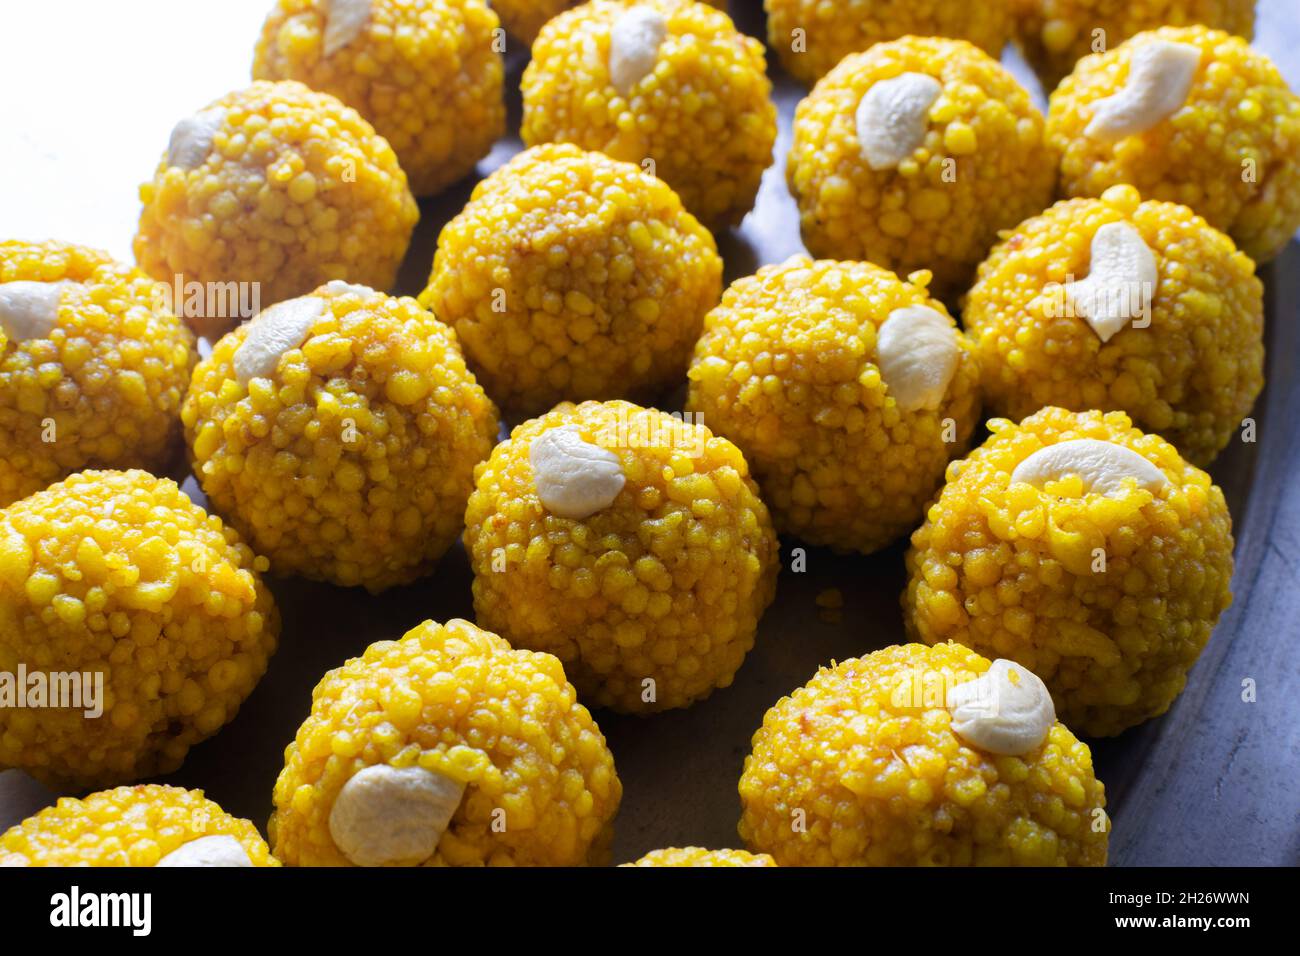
(525,18)
(426,73)
(811,36)
(1108,598)
(540,782)
(651,602)
(788,369)
(352,462)
(119,574)
(297,189)
(1231,152)
(703,115)
(102,388)
(128,826)
(981,166)
(697,856)
(571,276)
(1055,34)
(1191,373)
(861,766)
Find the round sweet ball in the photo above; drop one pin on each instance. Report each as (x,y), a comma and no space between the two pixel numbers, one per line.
(525,18)
(669,85)
(922,756)
(427,73)
(913,155)
(93,366)
(1115,303)
(276,185)
(811,36)
(145,825)
(339,432)
(139,622)
(698,856)
(1056,34)
(629,543)
(573,276)
(1085,551)
(849,391)
(1187,115)
(446,748)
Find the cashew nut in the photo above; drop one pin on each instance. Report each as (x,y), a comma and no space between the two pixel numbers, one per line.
(574,478)
(274,331)
(344,20)
(191,138)
(28,310)
(1121,280)
(1159,78)
(916,351)
(634,46)
(208,851)
(1006,710)
(892,118)
(339,287)
(385,816)
(1101,465)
